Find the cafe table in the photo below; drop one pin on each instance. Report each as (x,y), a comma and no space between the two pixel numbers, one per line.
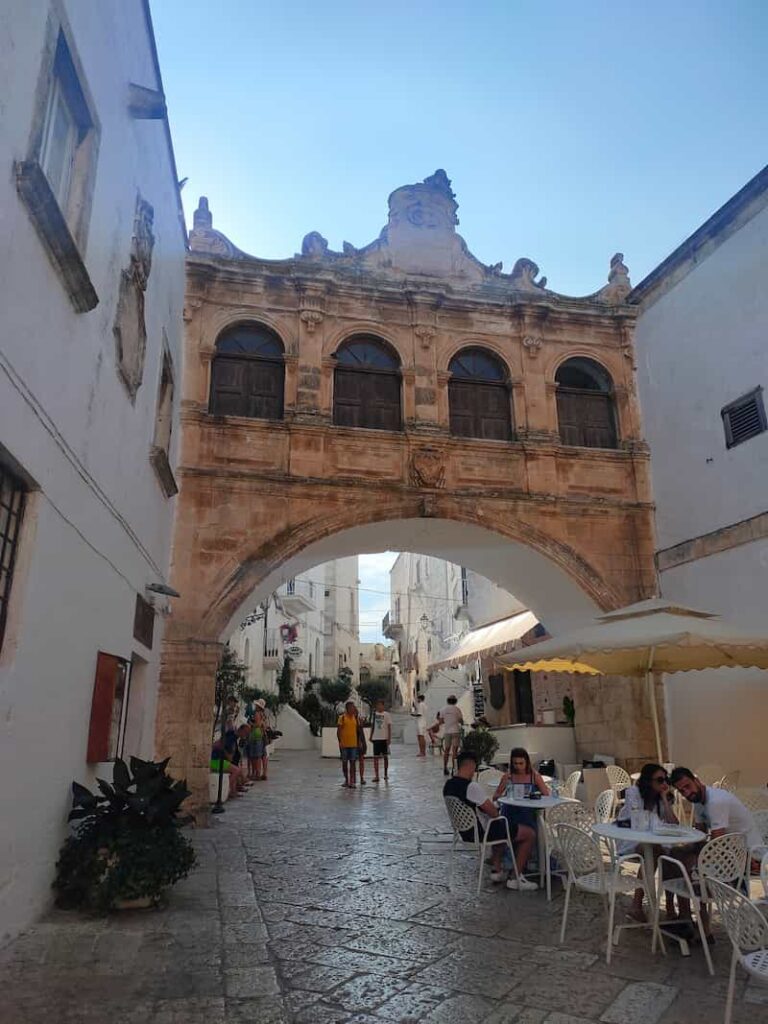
(540,805)
(646,841)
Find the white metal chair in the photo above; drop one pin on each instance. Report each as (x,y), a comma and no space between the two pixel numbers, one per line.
(748,931)
(572,813)
(551,851)
(721,860)
(604,805)
(568,788)
(764,874)
(618,779)
(754,798)
(464,819)
(588,872)
(760,819)
(729,781)
(709,774)
(682,808)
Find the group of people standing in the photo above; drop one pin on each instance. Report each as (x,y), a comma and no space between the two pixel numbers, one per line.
(353,745)
(242,752)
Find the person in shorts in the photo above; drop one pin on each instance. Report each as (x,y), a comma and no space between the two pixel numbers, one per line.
(381,738)
(451,720)
(346,731)
(420,714)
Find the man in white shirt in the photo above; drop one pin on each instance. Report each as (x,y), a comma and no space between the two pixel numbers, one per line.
(419,712)
(716,811)
(451,720)
(463,787)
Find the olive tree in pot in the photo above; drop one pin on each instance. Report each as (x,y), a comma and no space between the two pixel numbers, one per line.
(482,743)
(127,847)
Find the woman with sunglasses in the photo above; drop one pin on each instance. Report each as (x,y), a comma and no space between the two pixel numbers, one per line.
(651,793)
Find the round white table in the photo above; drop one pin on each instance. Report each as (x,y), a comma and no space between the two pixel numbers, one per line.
(540,805)
(646,841)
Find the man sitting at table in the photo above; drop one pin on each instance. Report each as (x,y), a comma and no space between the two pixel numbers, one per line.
(716,812)
(471,793)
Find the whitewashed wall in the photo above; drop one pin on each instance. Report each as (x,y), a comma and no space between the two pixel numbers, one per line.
(98,530)
(700,346)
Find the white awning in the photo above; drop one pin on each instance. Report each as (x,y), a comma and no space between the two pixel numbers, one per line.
(497,638)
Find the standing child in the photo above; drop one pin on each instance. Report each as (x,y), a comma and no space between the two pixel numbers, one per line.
(381,737)
(346,733)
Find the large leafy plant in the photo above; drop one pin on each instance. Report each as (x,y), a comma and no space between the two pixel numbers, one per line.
(482,743)
(127,844)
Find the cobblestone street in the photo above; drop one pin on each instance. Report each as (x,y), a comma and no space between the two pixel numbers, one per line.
(312,903)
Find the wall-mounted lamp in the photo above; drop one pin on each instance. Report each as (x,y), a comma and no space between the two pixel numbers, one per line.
(162,588)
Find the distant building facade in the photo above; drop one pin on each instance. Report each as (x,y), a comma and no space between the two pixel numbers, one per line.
(92,290)
(702,371)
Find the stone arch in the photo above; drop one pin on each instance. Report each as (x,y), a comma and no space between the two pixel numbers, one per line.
(495,345)
(222,319)
(335,339)
(250,567)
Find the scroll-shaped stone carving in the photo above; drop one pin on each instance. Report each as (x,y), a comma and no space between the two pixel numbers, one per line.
(425,334)
(619,285)
(524,274)
(130,328)
(427,468)
(532,344)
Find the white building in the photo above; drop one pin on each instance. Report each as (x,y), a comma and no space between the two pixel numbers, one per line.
(91,286)
(433,603)
(702,350)
(301,620)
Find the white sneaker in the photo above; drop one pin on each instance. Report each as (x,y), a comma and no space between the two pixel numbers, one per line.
(523,885)
(498,876)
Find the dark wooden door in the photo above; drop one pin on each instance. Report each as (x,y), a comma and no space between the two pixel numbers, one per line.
(479,410)
(523,696)
(363,398)
(586,418)
(248,387)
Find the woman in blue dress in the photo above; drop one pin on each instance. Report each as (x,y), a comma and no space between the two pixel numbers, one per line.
(521,773)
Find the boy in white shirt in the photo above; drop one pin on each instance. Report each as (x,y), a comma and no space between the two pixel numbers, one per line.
(451,720)
(381,737)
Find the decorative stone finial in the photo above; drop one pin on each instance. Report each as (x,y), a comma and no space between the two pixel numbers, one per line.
(523,276)
(202,217)
(314,245)
(441,183)
(619,285)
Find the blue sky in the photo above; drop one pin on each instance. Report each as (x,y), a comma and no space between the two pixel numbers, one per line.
(570,129)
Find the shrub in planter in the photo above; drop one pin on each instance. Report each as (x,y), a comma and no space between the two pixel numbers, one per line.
(128,843)
(482,743)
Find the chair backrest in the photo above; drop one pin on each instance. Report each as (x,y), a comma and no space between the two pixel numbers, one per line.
(580,851)
(617,777)
(569,786)
(572,813)
(709,773)
(764,874)
(604,805)
(760,819)
(754,798)
(462,817)
(729,781)
(682,808)
(747,928)
(723,859)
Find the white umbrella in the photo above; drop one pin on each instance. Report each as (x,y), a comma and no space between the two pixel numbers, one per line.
(654,635)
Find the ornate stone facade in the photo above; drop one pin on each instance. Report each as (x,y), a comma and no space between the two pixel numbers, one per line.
(255,493)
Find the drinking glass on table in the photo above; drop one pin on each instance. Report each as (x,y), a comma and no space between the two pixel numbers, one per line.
(518,791)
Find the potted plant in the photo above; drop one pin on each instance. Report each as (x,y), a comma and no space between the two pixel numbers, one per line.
(569,710)
(482,743)
(127,847)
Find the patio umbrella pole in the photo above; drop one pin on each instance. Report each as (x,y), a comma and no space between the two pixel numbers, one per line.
(654,708)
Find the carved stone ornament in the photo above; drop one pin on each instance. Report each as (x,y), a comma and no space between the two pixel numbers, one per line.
(619,286)
(130,328)
(203,238)
(524,274)
(427,468)
(532,344)
(312,318)
(425,334)
(427,508)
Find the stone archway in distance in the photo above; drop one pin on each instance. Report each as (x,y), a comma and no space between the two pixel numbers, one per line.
(567,528)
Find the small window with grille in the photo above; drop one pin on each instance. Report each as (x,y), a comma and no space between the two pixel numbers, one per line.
(744,418)
(11,509)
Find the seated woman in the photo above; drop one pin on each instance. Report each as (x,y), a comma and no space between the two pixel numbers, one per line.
(650,793)
(521,773)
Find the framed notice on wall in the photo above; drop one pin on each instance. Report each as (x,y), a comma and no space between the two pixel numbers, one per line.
(109,693)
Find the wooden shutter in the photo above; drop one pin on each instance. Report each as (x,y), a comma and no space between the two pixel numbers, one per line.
(348,398)
(383,409)
(586,418)
(228,387)
(479,410)
(110,674)
(265,389)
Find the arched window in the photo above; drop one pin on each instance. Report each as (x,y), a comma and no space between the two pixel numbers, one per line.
(366,385)
(478,396)
(585,409)
(248,373)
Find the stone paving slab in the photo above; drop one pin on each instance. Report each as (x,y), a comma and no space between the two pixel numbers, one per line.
(313,904)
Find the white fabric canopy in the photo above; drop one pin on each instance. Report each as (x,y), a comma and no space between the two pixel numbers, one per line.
(488,641)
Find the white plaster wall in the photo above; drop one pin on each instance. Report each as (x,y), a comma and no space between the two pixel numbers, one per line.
(721,716)
(488,602)
(99,528)
(700,346)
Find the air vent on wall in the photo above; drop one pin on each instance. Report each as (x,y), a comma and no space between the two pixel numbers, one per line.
(744,418)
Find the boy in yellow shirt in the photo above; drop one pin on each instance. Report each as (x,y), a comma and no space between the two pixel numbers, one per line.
(346,731)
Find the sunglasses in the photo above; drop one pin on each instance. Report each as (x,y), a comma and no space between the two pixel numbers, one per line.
(660,778)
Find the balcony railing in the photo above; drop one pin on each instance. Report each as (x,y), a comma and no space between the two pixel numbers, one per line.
(273,649)
(391,630)
(299,597)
